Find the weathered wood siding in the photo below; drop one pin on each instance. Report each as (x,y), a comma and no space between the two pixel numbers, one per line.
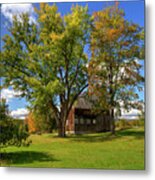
(83,121)
(98,124)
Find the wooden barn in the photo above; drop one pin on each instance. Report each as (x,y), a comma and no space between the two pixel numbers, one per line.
(82,119)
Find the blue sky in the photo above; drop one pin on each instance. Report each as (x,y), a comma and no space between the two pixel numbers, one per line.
(134,11)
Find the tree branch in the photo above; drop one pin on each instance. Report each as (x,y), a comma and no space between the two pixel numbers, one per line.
(76,96)
(56,112)
(18,68)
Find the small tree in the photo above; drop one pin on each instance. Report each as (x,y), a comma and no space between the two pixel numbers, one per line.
(44,118)
(11,133)
(114,69)
(41,119)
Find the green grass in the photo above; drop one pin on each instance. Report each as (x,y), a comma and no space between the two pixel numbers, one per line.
(100,150)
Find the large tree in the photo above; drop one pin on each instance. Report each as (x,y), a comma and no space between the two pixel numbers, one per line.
(46,60)
(117,46)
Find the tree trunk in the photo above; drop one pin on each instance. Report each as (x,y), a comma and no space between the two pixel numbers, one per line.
(112,124)
(61,129)
(62,123)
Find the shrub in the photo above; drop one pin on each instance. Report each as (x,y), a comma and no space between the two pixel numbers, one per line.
(124,124)
(11,132)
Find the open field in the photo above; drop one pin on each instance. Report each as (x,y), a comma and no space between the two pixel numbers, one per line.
(100,150)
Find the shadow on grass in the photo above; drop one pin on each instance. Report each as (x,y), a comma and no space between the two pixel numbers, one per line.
(101,137)
(95,138)
(23,157)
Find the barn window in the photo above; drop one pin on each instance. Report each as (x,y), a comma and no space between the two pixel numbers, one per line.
(88,121)
(94,121)
(81,121)
(76,120)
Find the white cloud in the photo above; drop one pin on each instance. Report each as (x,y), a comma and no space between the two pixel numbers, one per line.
(20,113)
(132,114)
(9,94)
(9,10)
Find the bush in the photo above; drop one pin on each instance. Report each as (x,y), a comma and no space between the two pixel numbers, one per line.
(136,123)
(124,124)
(12,133)
(41,120)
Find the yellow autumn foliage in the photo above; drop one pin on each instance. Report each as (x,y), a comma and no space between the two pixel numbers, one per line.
(43,17)
(31,123)
(54,36)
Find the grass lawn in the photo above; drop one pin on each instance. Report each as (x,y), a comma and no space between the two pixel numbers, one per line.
(100,150)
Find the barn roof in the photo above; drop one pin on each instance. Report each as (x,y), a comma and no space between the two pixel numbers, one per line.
(83,103)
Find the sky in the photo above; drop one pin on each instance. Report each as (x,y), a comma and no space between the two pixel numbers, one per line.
(134,12)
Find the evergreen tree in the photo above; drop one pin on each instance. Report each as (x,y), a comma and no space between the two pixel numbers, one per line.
(11,132)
